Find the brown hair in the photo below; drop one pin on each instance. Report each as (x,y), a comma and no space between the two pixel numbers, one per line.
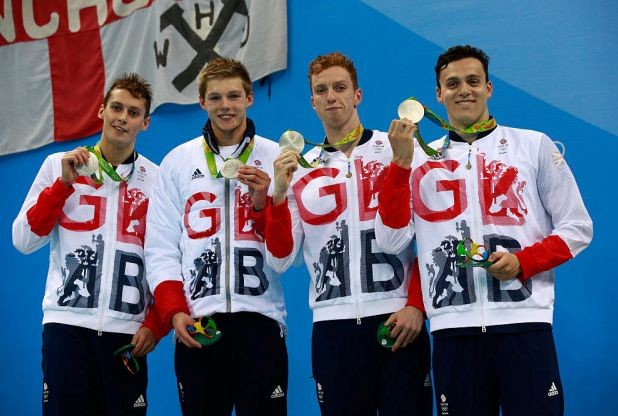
(221,68)
(137,86)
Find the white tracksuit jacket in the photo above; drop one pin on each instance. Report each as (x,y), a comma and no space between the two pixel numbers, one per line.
(201,233)
(332,216)
(510,190)
(96,276)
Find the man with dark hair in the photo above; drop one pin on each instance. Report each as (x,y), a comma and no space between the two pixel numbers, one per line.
(329,207)
(205,257)
(494,210)
(458,53)
(98,322)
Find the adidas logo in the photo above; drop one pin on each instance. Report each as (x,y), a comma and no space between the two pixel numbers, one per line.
(553,391)
(277,393)
(197,174)
(140,402)
(427,382)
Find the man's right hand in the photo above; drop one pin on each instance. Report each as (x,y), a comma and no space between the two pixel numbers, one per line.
(180,321)
(400,134)
(285,165)
(69,161)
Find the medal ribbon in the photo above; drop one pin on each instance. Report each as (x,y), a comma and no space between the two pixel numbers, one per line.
(440,122)
(105,166)
(212,164)
(349,138)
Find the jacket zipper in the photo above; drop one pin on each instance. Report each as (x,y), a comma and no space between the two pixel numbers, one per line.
(106,268)
(480,282)
(228,295)
(352,195)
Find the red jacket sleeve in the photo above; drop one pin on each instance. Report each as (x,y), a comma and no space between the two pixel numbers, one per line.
(278,230)
(415,293)
(154,322)
(394,197)
(169,297)
(551,252)
(43,216)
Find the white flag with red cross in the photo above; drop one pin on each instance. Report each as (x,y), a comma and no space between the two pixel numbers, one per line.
(57,57)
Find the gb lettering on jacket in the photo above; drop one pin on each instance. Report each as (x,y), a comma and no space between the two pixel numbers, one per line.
(115,247)
(338,215)
(488,207)
(206,217)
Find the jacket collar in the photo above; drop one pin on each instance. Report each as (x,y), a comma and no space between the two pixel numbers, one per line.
(211,141)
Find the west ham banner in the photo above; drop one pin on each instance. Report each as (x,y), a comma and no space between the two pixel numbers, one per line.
(57,57)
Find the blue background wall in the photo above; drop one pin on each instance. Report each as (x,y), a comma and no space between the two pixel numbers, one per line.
(552,71)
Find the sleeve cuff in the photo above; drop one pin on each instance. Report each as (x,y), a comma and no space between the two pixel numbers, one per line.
(542,256)
(155,324)
(170,299)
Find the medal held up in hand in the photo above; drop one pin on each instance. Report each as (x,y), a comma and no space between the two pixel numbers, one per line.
(230,167)
(89,168)
(291,140)
(412,110)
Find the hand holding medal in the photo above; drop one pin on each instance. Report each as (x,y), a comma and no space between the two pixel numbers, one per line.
(90,167)
(293,140)
(412,109)
(96,165)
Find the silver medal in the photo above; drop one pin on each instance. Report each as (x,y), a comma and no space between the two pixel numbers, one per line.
(230,167)
(291,140)
(90,167)
(412,110)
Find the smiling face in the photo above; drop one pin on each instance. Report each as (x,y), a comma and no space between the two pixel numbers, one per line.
(226,102)
(334,98)
(124,116)
(464,90)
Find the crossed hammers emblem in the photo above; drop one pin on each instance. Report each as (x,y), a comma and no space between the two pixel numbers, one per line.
(204,48)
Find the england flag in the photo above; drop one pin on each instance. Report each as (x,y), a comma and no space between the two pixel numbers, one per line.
(57,57)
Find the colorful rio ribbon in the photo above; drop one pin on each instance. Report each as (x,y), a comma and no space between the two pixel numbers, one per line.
(129,361)
(104,166)
(204,331)
(437,120)
(476,256)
